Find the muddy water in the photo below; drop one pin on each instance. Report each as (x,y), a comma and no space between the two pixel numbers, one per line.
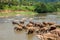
(7,29)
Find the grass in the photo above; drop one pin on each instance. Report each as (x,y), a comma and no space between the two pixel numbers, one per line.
(30,8)
(58,9)
(27,10)
(14,13)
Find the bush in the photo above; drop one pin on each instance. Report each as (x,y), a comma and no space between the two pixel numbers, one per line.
(30,8)
(41,8)
(44,8)
(1,6)
(37,6)
(51,8)
(14,8)
(6,7)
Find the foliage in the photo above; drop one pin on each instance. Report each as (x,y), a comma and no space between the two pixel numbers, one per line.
(49,7)
(31,5)
(41,8)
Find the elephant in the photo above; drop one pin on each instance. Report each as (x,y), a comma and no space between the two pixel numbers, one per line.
(30,30)
(18,28)
(13,22)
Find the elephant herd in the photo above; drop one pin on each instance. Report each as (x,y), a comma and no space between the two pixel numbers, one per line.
(44,30)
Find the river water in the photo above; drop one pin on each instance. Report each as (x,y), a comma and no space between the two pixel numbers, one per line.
(7,29)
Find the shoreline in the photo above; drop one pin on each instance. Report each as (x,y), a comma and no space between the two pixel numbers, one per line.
(10,13)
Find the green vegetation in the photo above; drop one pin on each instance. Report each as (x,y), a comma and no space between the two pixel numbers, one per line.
(44,8)
(31,5)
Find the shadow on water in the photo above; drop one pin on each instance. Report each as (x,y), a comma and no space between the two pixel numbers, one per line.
(7,29)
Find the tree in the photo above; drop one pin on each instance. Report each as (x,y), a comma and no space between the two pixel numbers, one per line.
(41,8)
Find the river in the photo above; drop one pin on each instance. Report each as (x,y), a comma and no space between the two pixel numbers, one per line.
(7,29)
